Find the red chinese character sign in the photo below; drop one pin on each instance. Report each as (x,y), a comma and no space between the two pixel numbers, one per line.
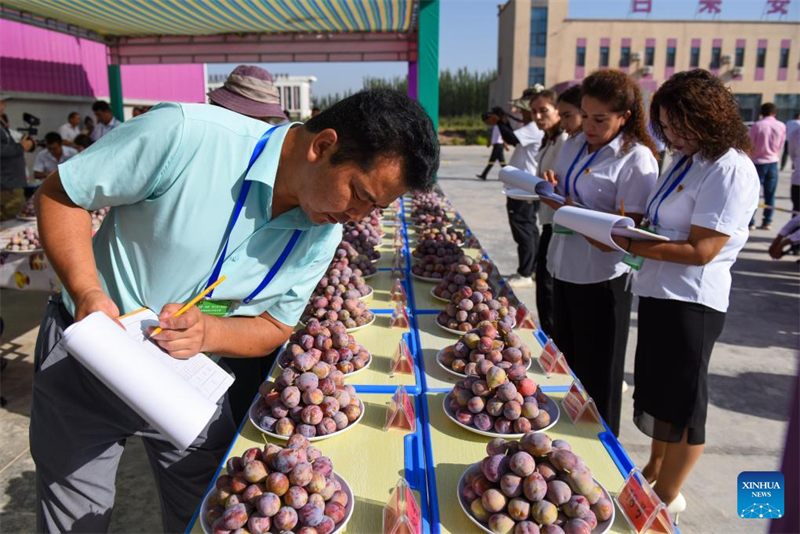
(642,508)
(400,316)
(398,293)
(524,318)
(713,7)
(402,513)
(780,7)
(400,413)
(398,264)
(579,405)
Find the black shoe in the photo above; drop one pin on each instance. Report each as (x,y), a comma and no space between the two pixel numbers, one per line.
(482,177)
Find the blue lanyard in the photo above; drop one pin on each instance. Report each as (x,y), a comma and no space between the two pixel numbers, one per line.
(669,189)
(237,210)
(580,172)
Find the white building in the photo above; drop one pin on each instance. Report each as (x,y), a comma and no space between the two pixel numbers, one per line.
(295,92)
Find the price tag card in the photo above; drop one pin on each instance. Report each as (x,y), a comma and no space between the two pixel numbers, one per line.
(472,242)
(398,265)
(398,293)
(552,360)
(642,508)
(579,405)
(403,360)
(524,318)
(400,317)
(398,240)
(400,413)
(505,291)
(402,514)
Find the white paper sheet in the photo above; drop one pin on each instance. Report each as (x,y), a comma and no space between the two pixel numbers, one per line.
(518,179)
(142,379)
(601,226)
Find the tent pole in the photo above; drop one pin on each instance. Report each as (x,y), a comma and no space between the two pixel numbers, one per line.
(428,62)
(413,80)
(115,91)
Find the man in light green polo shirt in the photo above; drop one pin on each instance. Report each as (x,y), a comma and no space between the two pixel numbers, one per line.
(197,192)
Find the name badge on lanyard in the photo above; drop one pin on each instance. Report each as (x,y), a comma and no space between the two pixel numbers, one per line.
(649,223)
(221,308)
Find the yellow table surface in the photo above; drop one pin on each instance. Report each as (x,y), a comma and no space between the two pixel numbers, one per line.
(381,340)
(434,339)
(455,449)
(381,298)
(371,460)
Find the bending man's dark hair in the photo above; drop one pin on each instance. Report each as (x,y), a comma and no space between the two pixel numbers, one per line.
(52,138)
(383,122)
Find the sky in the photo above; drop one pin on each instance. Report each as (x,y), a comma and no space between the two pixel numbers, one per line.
(468,37)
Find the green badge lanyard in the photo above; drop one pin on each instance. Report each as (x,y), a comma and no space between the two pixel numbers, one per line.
(221,308)
(651,224)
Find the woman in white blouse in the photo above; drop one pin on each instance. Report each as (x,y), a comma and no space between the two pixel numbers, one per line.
(610,167)
(703,203)
(546,109)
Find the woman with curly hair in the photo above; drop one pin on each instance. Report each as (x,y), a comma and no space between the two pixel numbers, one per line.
(610,167)
(703,203)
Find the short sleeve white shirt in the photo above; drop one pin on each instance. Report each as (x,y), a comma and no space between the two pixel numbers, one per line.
(45,162)
(611,178)
(524,156)
(545,160)
(101,129)
(721,195)
(68,132)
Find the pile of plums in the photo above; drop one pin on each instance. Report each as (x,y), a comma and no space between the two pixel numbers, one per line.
(435,258)
(341,280)
(535,486)
(439,233)
(499,404)
(471,305)
(278,489)
(466,271)
(349,256)
(365,235)
(351,311)
(315,347)
(24,240)
(28,210)
(489,345)
(305,404)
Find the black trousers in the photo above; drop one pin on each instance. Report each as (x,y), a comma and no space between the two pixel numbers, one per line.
(250,373)
(544,282)
(591,329)
(496,155)
(522,219)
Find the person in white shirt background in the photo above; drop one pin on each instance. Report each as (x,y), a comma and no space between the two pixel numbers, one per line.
(610,167)
(106,121)
(70,129)
(703,203)
(791,127)
(526,141)
(492,118)
(548,119)
(48,160)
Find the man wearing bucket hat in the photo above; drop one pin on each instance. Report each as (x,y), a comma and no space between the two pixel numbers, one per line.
(522,213)
(251,91)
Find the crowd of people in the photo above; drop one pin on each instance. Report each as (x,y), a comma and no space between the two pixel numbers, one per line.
(602,149)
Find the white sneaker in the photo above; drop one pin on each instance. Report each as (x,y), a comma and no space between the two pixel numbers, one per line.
(624,386)
(517,281)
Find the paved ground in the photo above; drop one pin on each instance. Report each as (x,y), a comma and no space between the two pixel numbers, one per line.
(751,374)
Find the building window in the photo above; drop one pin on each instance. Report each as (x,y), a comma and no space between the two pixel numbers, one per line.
(670,56)
(604,56)
(749,105)
(784,61)
(716,57)
(739,61)
(625,56)
(761,57)
(296,96)
(539,32)
(580,56)
(535,75)
(788,106)
(694,58)
(650,56)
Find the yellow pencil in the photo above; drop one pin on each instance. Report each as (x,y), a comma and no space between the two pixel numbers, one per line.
(622,205)
(192,302)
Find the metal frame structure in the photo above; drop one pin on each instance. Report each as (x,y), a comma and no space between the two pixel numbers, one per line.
(419,46)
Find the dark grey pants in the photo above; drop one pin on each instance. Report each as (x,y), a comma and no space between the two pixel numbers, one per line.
(77,435)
